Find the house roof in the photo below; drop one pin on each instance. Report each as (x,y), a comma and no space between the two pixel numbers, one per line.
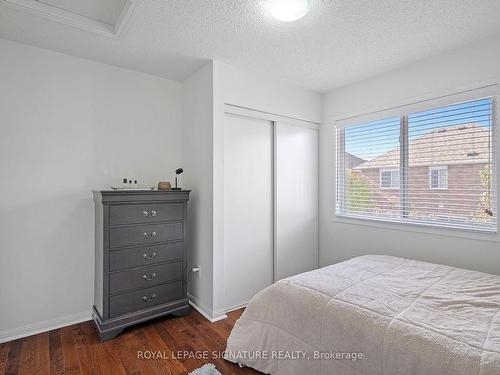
(352,161)
(459,144)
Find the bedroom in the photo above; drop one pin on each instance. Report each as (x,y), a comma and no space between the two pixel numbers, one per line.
(328,195)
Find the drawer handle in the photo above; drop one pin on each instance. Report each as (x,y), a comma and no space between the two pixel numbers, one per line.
(152,213)
(149,257)
(149,235)
(149,299)
(150,277)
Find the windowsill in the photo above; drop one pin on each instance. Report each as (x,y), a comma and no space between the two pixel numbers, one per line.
(418,228)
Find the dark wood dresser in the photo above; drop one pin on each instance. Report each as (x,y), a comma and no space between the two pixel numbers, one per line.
(140,258)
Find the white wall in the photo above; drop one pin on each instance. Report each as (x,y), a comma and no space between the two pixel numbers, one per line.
(241,88)
(246,89)
(197,97)
(68,126)
(204,95)
(448,73)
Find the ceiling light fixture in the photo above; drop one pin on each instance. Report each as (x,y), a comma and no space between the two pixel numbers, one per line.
(288,10)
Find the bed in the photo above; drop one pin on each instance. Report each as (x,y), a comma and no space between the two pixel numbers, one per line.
(373,315)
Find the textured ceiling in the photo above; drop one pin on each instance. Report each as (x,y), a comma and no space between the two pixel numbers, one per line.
(337,43)
(106,11)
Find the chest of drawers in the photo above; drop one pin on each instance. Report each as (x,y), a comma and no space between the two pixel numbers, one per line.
(140,258)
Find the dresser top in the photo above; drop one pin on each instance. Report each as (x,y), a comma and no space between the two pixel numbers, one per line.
(139,191)
(139,195)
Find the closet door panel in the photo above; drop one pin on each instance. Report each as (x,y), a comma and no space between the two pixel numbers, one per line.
(248,208)
(296,220)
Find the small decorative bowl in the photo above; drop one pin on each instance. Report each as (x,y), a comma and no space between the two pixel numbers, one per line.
(164,186)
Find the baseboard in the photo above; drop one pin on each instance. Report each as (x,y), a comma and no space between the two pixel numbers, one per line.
(33,329)
(203,310)
(236,307)
(219,315)
(63,321)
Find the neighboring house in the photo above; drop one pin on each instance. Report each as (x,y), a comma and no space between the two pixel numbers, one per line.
(448,175)
(352,161)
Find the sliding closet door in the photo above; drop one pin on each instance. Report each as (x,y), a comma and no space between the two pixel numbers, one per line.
(296,200)
(248,208)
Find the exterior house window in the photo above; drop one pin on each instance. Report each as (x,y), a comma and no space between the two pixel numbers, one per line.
(398,168)
(438,178)
(389,179)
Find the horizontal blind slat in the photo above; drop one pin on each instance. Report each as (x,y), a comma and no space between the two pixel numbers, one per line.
(449,176)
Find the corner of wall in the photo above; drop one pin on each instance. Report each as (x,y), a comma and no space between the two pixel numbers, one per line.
(197,118)
(218,188)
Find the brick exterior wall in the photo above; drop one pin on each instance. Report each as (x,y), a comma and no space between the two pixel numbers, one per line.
(460,201)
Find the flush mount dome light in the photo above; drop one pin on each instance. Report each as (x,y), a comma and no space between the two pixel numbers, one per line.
(288,10)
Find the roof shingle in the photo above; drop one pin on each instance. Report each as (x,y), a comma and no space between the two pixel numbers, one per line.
(459,144)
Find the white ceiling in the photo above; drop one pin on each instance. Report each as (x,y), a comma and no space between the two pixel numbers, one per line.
(106,11)
(337,43)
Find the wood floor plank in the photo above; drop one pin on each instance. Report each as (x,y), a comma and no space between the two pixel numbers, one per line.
(42,354)
(174,333)
(4,355)
(235,314)
(166,362)
(27,360)
(217,342)
(77,350)
(210,338)
(14,357)
(145,361)
(107,359)
(56,353)
(83,349)
(69,352)
(89,333)
(214,344)
(126,347)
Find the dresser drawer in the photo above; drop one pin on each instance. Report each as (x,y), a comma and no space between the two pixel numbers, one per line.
(144,277)
(145,213)
(145,234)
(143,299)
(146,255)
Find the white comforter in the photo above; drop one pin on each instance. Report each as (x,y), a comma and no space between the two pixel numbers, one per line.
(404,316)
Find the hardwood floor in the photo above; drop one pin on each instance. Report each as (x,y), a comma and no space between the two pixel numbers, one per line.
(76,349)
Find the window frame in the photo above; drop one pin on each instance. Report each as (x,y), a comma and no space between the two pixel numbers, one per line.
(393,186)
(402,111)
(439,169)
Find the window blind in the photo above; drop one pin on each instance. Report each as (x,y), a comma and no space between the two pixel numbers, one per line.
(370,192)
(433,167)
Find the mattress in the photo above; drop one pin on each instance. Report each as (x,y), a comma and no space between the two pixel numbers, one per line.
(373,315)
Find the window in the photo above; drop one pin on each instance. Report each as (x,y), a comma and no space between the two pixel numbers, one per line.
(433,167)
(389,179)
(438,178)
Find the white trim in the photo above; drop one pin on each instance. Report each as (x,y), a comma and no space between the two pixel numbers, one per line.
(417,228)
(48,325)
(479,93)
(422,103)
(438,168)
(495,165)
(234,109)
(219,314)
(236,307)
(73,19)
(124,17)
(275,200)
(212,317)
